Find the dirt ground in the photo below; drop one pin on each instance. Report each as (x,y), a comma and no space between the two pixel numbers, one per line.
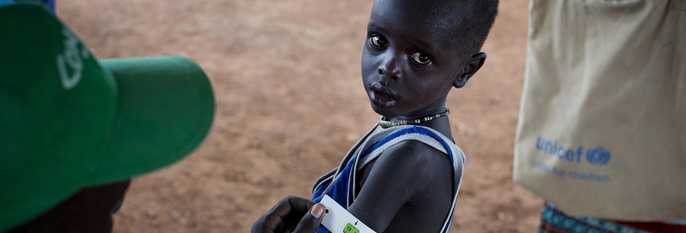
(290,103)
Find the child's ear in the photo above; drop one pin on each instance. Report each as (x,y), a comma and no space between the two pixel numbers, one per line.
(475,63)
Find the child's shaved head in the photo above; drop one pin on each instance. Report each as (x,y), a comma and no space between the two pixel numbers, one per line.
(460,21)
(469,21)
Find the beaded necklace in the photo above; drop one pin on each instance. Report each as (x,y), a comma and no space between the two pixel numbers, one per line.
(387,124)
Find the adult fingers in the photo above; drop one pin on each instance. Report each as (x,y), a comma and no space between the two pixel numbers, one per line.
(311,221)
(283,216)
(297,206)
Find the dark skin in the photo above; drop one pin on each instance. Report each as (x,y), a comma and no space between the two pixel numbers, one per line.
(408,69)
(291,214)
(409,65)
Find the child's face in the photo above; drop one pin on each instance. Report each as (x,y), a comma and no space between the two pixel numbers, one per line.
(409,64)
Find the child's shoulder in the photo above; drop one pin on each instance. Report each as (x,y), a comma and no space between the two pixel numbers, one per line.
(413,155)
(416,139)
(417,159)
(407,178)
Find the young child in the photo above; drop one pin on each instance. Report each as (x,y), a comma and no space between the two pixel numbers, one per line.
(404,174)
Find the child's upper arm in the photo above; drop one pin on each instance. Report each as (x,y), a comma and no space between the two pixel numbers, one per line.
(401,172)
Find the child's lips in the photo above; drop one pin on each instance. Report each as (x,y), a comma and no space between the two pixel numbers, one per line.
(383,96)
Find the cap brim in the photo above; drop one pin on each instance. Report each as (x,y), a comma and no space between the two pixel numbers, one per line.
(166,107)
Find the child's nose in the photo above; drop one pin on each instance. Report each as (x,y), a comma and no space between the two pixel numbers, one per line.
(390,67)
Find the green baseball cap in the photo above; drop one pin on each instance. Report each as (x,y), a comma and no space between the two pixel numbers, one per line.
(68,121)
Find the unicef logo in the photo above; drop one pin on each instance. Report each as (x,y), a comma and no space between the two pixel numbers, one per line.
(598,156)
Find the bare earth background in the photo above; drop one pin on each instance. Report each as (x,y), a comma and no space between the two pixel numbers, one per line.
(290,103)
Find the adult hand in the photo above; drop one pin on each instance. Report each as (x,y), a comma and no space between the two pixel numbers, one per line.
(291,214)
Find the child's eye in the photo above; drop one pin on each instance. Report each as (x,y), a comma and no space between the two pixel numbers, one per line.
(379,41)
(421,58)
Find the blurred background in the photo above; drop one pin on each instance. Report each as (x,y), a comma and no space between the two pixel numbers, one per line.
(290,103)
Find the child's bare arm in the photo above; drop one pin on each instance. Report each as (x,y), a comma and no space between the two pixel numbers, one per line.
(409,172)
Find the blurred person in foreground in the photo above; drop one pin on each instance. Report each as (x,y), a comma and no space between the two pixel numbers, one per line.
(75,129)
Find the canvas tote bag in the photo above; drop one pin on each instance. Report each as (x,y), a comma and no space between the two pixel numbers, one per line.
(602,124)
